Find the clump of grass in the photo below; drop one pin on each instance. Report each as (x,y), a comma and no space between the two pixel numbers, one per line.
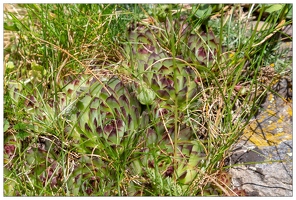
(77,135)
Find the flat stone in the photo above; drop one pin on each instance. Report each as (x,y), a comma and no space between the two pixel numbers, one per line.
(247,156)
(263,180)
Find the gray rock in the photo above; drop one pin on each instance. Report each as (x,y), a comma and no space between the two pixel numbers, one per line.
(262,180)
(262,161)
(266,179)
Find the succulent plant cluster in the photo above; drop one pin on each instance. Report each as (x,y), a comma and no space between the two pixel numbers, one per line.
(147,42)
(110,112)
(130,121)
(170,83)
(172,79)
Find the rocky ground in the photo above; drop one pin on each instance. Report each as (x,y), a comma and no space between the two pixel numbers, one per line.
(262,160)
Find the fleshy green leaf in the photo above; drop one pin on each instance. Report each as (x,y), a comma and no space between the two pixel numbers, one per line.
(163,94)
(6,125)
(274,7)
(185,134)
(112,102)
(151,136)
(146,96)
(144,120)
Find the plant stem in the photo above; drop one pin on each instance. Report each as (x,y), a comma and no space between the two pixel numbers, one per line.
(176,114)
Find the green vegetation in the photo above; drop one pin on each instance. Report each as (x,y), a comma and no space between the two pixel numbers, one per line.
(123,100)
